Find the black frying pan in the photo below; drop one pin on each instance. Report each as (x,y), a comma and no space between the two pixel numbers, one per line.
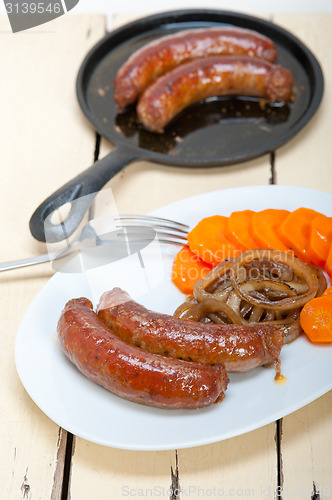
(214,133)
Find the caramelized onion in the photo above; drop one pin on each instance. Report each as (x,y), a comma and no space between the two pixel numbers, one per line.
(304,273)
(259,286)
(215,284)
(209,306)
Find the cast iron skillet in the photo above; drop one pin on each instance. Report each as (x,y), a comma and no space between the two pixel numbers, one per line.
(214,133)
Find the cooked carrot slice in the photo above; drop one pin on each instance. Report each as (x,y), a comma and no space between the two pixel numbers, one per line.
(187,269)
(208,240)
(264,226)
(294,231)
(328,291)
(328,263)
(316,319)
(320,239)
(237,229)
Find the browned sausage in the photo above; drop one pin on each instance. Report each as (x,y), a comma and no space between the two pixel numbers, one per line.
(238,348)
(213,76)
(157,57)
(130,372)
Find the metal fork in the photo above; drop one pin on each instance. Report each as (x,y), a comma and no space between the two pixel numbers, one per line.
(167,231)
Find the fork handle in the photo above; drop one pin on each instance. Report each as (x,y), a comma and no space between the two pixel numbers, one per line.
(80,193)
(30,261)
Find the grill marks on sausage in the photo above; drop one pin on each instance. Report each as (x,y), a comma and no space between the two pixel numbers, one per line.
(237,348)
(123,350)
(214,76)
(129,371)
(160,56)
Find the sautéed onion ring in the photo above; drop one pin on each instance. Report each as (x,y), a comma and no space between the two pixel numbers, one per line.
(259,285)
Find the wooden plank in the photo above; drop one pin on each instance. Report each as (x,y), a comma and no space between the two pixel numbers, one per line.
(97,469)
(241,467)
(306,453)
(299,160)
(245,466)
(44,139)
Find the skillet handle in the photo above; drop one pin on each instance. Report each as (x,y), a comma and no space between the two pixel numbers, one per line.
(86,185)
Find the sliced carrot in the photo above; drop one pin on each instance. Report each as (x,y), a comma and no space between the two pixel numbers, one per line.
(328,291)
(320,239)
(264,226)
(237,229)
(208,240)
(316,319)
(187,269)
(294,231)
(328,263)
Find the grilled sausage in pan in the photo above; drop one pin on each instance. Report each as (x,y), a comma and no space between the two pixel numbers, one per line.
(157,57)
(213,76)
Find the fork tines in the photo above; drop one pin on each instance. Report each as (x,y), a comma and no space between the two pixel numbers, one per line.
(167,230)
(153,221)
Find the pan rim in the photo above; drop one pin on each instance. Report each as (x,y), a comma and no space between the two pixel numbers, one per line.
(177,16)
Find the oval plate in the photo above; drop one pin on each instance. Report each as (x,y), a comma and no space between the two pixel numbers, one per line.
(87,410)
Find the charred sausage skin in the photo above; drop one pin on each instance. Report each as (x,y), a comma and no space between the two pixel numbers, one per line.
(157,57)
(213,76)
(130,372)
(237,348)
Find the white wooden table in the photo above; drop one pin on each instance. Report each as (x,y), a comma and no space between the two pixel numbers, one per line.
(45,141)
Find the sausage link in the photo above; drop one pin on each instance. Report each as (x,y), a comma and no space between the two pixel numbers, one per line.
(130,372)
(238,348)
(213,76)
(157,57)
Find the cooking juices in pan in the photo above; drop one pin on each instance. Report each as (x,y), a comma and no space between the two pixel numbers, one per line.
(207,117)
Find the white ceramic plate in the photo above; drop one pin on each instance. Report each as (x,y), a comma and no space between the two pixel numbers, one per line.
(89,411)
